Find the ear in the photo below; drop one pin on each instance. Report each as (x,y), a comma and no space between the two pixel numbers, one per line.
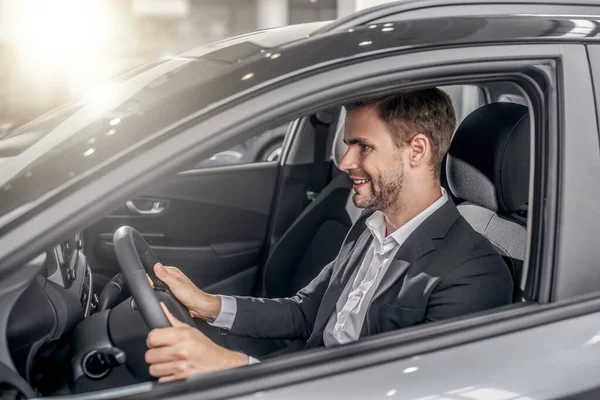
(419,150)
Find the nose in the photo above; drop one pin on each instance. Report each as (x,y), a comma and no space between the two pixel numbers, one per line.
(348,163)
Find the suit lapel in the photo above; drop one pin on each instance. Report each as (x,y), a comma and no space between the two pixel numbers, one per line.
(353,236)
(419,243)
(406,255)
(340,279)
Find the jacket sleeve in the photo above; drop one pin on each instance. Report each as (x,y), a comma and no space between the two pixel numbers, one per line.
(284,318)
(475,285)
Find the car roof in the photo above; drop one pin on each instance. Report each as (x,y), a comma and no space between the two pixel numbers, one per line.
(321,49)
(256,41)
(374,13)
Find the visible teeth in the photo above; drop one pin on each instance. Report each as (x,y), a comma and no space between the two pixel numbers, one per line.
(360,181)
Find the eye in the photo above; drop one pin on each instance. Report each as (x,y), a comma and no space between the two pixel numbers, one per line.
(364,147)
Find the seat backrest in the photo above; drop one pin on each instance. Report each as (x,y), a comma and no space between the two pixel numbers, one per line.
(487,169)
(310,243)
(315,237)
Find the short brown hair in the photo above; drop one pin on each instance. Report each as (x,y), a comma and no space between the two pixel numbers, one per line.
(427,111)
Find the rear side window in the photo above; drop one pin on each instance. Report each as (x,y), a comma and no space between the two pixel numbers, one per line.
(465,99)
(265,147)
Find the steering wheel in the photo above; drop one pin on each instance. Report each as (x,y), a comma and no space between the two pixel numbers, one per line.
(137,259)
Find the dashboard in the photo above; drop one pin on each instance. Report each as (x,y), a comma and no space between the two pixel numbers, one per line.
(68,268)
(50,308)
(61,338)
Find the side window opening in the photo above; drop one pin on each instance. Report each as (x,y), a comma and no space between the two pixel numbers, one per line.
(512,98)
(465,99)
(264,147)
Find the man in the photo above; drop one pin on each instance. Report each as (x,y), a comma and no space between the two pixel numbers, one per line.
(409,259)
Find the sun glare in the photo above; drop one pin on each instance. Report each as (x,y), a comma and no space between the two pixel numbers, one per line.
(61,37)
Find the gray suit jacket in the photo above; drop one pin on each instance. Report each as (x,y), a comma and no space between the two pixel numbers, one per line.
(444,269)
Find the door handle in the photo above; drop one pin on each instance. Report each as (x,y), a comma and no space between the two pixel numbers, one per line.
(157,208)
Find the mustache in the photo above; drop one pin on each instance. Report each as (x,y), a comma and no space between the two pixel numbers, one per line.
(358,175)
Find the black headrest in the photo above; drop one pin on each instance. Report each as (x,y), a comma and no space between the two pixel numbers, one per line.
(488,161)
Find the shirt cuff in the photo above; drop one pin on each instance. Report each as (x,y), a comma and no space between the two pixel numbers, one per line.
(227,314)
(252,360)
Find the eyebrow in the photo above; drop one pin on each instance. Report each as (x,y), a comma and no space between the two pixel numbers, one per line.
(359,140)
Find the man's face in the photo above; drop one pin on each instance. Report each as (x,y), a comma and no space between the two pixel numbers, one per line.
(373,161)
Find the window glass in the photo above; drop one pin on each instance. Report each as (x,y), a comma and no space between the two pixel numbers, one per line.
(512,98)
(265,147)
(465,99)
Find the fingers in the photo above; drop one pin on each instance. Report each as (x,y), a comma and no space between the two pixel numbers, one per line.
(163,369)
(171,370)
(170,275)
(160,355)
(171,350)
(160,271)
(182,351)
(167,336)
(174,321)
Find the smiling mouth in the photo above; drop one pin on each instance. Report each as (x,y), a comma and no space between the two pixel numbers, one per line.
(359,183)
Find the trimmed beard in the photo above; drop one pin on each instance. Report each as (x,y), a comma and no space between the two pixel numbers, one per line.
(384,191)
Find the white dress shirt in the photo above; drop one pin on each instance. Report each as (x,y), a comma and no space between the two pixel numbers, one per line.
(346,322)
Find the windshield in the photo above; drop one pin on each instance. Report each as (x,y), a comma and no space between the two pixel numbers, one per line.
(39,158)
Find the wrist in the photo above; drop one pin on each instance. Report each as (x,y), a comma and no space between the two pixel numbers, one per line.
(238,359)
(208,306)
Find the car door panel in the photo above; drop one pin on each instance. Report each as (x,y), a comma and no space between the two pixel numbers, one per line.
(563,363)
(203,264)
(211,225)
(237,284)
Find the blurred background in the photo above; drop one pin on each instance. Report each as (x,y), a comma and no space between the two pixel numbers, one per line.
(54,50)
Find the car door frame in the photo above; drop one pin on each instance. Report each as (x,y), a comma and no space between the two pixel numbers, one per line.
(553,181)
(414,65)
(308,95)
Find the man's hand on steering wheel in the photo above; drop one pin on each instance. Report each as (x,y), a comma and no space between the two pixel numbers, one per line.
(176,350)
(180,351)
(199,303)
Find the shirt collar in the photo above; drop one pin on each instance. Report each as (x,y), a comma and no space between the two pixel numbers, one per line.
(376,224)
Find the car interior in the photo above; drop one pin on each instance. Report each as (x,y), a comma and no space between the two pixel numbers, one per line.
(263,229)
